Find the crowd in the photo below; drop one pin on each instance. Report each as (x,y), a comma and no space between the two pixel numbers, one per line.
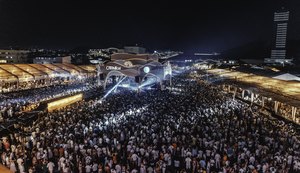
(12,104)
(191,128)
(8,87)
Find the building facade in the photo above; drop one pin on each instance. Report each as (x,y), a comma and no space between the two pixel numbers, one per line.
(134,49)
(13,56)
(278,52)
(52,60)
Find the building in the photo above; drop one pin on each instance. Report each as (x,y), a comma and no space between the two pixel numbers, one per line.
(134,49)
(13,56)
(278,52)
(105,53)
(109,51)
(52,59)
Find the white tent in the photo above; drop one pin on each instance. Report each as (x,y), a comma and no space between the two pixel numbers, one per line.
(287,77)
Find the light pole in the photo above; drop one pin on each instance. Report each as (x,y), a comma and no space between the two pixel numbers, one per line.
(98,73)
(206,76)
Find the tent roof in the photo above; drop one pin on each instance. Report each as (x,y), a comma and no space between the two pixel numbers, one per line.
(280,87)
(287,77)
(30,72)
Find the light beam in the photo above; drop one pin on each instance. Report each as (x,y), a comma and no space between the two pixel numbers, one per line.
(112,89)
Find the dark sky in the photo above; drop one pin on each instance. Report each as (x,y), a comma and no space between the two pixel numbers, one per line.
(211,25)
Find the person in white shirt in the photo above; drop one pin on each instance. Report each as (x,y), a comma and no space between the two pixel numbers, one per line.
(217,159)
(88,168)
(177,164)
(150,169)
(95,167)
(290,158)
(50,166)
(12,166)
(134,158)
(80,169)
(19,161)
(188,161)
(164,167)
(143,169)
(50,153)
(22,168)
(252,160)
(134,171)
(65,168)
(118,168)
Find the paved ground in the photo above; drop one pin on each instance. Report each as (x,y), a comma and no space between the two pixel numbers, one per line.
(3,169)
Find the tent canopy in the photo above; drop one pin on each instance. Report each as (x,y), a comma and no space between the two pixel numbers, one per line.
(287,77)
(30,72)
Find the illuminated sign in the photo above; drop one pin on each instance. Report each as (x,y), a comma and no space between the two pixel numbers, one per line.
(128,64)
(64,102)
(3,61)
(113,68)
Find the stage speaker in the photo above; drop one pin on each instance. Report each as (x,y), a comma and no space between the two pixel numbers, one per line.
(137,79)
(101,76)
(113,79)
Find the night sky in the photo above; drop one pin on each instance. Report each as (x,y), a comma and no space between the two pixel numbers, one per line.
(184,25)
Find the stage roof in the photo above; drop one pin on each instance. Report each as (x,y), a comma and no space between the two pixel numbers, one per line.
(136,59)
(30,72)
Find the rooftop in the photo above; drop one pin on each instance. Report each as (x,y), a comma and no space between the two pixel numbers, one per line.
(287,91)
(30,72)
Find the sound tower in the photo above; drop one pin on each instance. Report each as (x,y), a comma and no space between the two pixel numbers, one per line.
(101,76)
(137,79)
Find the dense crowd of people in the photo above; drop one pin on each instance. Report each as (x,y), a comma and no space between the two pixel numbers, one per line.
(193,127)
(30,84)
(12,104)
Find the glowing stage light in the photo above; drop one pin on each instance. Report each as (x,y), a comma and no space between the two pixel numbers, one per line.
(112,89)
(64,102)
(146,69)
(125,85)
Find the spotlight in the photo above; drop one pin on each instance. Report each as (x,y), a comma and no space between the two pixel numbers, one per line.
(146,69)
(110,91)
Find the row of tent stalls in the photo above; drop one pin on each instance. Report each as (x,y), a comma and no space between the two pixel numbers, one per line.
(14,77)
(280,96)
